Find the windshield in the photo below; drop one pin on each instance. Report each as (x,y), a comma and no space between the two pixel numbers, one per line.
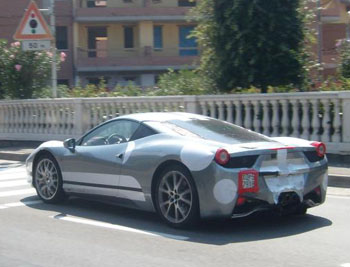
(209,129)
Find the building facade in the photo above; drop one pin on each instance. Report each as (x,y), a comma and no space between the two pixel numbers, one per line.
(136,40)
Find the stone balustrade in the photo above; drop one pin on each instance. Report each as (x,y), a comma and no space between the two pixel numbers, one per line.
(315,116)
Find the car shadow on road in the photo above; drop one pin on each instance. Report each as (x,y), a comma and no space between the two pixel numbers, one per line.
(215,232)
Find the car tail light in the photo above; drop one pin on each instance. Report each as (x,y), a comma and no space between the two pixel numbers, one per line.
(240,201)
(317,190)
(222,156)
(320,148)
(248,181)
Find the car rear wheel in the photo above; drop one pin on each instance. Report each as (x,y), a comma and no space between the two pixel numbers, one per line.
(176,197)
(47,179)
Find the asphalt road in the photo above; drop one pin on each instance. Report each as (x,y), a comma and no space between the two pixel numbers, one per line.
(84,233)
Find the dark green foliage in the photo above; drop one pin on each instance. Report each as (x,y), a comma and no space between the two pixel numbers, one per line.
(251,43)
(344,52)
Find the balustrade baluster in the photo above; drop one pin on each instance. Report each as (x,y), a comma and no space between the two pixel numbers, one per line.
(204,110)
(28,119)
(336,122)
(248,114)
(139,107)
(266,117)
(20,113)
(295,118)
(255,105)
(305,121)
(285,117)
(34,113)
(6,116)
(212,109)
(15,119)
(238,113)
(229,108)
(315,123)
(220,104)
(326,124)
(275,122)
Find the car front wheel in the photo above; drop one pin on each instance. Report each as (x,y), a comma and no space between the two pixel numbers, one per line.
(176,197)
(48,180)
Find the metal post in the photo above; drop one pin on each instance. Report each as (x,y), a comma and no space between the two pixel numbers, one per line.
(319,39)
(348,24)
(53,49)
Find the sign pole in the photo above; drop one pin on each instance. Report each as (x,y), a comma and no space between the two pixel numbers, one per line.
(53,50)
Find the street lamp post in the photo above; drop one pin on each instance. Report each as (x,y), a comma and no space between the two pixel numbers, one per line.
(53,49)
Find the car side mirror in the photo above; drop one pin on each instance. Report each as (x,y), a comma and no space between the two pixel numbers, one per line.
(69,143)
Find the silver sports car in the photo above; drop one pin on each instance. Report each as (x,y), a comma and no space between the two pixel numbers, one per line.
(183,166)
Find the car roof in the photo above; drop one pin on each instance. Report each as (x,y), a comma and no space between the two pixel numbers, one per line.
(162,116)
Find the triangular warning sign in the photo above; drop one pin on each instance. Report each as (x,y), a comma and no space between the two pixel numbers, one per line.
(33,26)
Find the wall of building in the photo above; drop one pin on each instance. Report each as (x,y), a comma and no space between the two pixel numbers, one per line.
(143,36)
(136,3)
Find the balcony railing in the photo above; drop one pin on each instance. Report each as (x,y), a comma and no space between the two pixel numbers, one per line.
(145,56)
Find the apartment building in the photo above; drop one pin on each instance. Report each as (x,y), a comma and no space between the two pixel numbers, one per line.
(131,40)
(136,40)
(335,26)
(119,40)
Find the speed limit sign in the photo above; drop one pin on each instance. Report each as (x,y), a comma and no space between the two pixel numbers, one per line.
(35,45)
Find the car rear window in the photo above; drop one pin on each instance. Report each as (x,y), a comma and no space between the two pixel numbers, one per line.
(210,129)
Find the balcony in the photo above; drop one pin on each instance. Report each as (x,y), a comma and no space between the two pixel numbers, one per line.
(133,11)
(138,59)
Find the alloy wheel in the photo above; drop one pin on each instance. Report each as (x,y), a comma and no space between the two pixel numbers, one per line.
(46,179)
(175,197)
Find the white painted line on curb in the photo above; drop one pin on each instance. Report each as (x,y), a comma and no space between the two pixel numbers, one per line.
(20,204)
(340,197)
(13,183)
(18,192)
(116,227)
(336,175)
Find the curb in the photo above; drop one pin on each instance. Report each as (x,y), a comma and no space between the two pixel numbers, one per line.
(337,180)
(13,156)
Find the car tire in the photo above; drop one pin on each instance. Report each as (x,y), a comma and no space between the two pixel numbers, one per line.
(302,210)
(47,179)
(176,197)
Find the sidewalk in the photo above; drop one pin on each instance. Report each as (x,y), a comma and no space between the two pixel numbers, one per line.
(338,176)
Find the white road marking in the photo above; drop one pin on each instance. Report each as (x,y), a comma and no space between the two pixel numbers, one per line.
(18,192)
(13,176)
(345,265)
(13,183)
(12,170)
(20,204)
(116,227)
(340,197)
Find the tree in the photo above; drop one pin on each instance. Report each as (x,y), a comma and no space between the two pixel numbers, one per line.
(343,47)
(251,43)
(23,73)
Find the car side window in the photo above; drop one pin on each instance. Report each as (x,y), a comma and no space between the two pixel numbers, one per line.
(114,132)
(142,131)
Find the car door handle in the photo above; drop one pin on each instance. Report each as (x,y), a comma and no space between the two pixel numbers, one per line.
(120,155)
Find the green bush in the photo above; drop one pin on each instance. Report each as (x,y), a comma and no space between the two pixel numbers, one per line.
(23,74)
(183,82)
